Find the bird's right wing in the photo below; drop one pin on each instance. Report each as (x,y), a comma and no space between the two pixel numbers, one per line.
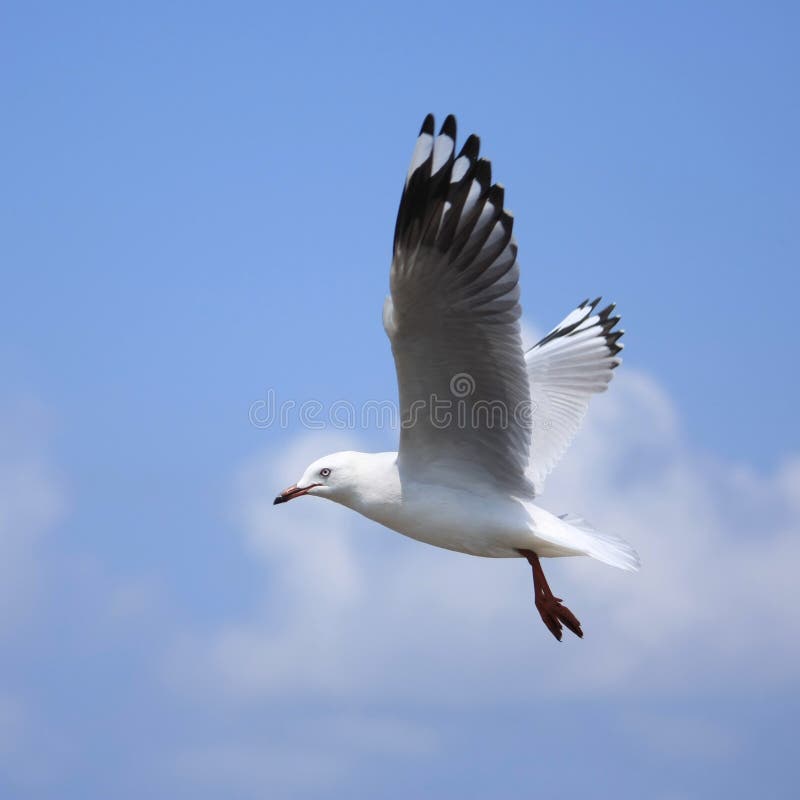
(453,321)
(573,362)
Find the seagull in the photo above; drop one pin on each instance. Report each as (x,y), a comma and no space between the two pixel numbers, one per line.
(483,421)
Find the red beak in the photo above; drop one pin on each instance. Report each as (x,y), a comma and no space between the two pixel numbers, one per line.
(292,492)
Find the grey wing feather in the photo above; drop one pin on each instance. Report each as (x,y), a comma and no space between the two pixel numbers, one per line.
(453,318)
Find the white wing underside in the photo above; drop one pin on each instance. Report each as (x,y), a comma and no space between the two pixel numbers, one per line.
(573,362)
(453,322)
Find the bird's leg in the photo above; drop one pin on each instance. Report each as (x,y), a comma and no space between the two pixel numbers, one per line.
(549,606)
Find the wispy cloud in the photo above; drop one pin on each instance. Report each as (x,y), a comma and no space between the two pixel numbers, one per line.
(350,609)
(680,736)
(310,755)
(31,503)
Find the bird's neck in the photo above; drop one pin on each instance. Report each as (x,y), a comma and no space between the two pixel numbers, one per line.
(377,484)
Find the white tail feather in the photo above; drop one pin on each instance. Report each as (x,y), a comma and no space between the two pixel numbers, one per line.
(604,547)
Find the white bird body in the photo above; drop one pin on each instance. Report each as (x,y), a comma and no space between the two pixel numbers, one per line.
(470,519)
(474,518)
(466,480)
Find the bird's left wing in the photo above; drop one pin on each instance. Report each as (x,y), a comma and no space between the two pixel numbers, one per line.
(573,362)
(453,319)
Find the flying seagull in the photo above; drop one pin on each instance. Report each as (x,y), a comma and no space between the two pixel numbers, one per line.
(482,420)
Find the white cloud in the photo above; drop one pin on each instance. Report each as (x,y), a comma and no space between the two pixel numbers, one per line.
(33,756)
(258,767)
(31,502)
(352,610)
(685,736)
(309,754)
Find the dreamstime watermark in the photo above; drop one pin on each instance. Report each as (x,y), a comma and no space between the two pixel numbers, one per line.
(462,407)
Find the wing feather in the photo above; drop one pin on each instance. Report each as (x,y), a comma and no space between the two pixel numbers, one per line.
(570,364)
(454,315)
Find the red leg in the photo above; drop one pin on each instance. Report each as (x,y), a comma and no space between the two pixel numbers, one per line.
(549,606)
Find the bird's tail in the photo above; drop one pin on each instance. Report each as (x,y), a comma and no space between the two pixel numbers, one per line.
(604,547)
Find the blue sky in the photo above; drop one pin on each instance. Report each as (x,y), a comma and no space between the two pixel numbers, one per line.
(197,206)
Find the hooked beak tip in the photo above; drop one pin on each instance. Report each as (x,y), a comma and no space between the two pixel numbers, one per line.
(292,492)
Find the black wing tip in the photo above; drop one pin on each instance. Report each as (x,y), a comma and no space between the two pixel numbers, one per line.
(424,188)
(507,220)
(449,127)
(608,323)
(612,336)
(471,148)
(606,312)
(444,193)
(428,125)
(483,173)
(604,321)
(496,195)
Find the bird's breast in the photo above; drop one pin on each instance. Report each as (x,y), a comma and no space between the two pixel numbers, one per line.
(456,520)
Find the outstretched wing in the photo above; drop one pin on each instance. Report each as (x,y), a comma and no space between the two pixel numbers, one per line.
(453,319)
(573,362)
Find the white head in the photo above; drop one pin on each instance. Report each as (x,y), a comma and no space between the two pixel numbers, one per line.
(337,477)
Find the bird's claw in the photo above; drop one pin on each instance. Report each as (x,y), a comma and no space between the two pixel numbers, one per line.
(553,613)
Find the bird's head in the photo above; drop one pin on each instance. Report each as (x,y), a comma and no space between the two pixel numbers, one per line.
(334,477)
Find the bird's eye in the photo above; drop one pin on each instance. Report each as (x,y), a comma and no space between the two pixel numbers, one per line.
(324,472)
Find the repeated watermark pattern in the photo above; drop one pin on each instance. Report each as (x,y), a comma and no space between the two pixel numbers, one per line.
(461,409)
